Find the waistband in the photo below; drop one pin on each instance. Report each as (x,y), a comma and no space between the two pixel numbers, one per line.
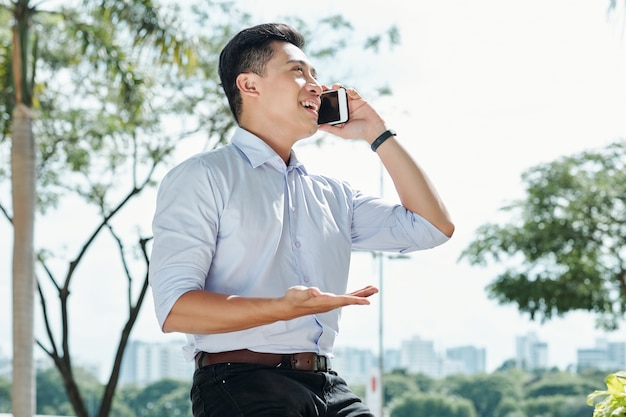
(303,361)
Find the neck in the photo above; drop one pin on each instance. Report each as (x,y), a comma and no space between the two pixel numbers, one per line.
(279,143)
(275,139)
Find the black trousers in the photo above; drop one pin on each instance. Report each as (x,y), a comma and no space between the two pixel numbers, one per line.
(249,390)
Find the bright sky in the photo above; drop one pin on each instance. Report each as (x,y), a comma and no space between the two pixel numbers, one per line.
(482,91)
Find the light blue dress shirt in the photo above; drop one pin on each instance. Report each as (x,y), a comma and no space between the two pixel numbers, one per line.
(237,220)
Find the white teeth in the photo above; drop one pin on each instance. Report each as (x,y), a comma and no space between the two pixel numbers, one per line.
(309,105)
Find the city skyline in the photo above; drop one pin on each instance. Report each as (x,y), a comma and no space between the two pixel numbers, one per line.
(146,362)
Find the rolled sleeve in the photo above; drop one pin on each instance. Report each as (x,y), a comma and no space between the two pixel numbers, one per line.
(383,226)
(169,284)
(184,231)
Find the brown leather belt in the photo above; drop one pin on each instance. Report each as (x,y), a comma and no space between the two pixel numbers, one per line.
(304,361)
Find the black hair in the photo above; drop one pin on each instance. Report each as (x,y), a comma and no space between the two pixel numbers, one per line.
(249,51)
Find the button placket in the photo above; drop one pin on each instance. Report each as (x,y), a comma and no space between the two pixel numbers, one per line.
(291,189)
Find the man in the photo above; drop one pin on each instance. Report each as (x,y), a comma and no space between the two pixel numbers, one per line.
(251,253)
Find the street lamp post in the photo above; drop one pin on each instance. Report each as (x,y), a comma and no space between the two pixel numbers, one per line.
(381,336)
(381,345)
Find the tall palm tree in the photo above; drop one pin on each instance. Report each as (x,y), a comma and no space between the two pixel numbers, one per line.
(23,194)
(19,104)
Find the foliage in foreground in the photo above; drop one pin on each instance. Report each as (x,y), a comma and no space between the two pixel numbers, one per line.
(613,401)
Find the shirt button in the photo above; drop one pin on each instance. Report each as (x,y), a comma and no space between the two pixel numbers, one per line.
(306,279)
(298,244)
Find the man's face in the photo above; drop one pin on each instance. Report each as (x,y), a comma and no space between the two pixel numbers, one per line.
(289,92)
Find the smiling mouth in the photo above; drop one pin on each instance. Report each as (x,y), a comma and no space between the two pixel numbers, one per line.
(311,105)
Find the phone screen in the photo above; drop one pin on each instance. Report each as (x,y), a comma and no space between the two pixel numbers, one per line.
(333,107)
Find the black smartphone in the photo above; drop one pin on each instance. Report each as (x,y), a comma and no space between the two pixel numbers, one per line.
(334,107)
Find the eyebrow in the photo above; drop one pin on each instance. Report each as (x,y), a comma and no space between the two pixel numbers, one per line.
(304,64)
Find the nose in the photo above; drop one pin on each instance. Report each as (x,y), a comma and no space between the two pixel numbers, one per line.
(314,86)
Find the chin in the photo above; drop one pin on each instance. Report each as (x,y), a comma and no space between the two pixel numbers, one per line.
(312,131)
(308,132)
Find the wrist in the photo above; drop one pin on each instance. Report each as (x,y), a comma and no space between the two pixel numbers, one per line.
(382,138)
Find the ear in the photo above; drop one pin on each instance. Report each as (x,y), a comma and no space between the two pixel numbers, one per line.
(247,83)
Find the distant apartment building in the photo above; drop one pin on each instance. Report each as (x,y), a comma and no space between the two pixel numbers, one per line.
(531,353)
(145,363)
(393,360)
(415,356)
(354,364)
(605,356)
(418,356)
(468,360)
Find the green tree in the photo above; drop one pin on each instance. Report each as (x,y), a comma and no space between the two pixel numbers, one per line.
(429,405)
(507,365)
(559,383)
(565,247)
(557,406)
(90,100)
(396,385)
(52,398)
(5,395)
(594,377)
(486,391)
(425,383)
(509,407)
(164,399)
(359,390)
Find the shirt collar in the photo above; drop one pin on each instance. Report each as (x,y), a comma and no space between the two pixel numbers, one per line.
(258,152)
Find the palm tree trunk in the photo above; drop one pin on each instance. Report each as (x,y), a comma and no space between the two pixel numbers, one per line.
(23,193)
(23,182)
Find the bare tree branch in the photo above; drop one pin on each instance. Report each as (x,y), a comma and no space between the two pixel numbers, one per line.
(129,277)
(54,353)
(6,213)
(109,392)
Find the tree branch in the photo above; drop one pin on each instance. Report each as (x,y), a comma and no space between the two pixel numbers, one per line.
(6,213)
(106,219)
(129,278)
(107,398)
(55,353)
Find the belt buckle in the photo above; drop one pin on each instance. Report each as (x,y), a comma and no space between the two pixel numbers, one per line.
(309,361)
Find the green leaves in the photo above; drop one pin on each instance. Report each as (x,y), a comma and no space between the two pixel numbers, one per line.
(613,403)
(432,405)
(564,248)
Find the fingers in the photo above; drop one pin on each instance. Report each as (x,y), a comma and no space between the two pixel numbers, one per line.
(365,292)
(352,93)
(310,300)
(337,86)
(315,292)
